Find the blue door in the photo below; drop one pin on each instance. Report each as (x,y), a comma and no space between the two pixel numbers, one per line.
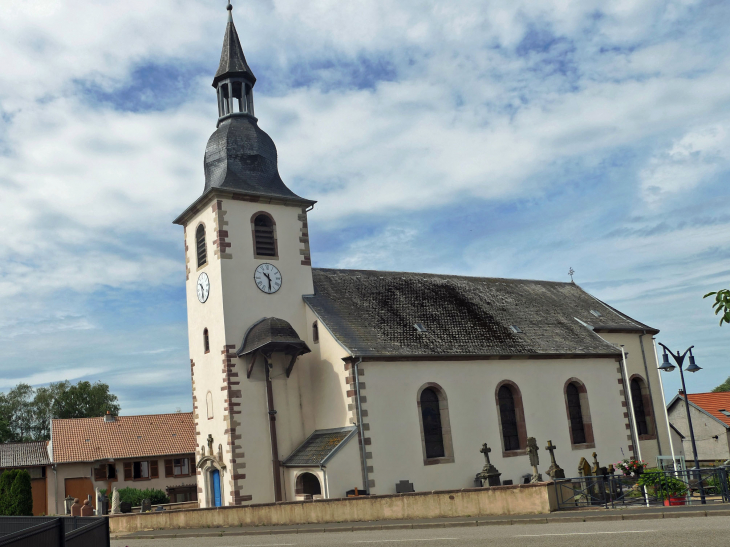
(216,478)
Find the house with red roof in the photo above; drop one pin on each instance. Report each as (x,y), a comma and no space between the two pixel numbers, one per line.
(150,451)
(710,413)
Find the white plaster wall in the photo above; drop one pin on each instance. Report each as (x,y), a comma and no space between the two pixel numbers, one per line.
(705,428)
(650,449)
(470,389)
(344,470)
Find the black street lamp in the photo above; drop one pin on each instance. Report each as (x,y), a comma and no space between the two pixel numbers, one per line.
(666,366)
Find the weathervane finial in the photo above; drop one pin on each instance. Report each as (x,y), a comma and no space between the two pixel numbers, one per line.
(571,271)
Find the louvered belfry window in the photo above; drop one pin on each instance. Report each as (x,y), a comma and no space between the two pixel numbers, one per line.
(432,432)
(200,245)
(264,237)
(508,416)
(576,414)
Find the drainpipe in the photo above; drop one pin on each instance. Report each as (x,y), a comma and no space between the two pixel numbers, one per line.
(666,413)
(326,486)
(272,431)
(363,452)
(651,395)
(55,487)
(627,393)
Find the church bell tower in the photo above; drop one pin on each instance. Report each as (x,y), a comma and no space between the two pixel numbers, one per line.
(247,267)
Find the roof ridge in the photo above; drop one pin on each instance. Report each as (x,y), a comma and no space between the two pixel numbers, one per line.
(395,272)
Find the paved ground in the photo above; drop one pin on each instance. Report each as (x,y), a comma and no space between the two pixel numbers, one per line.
(667,532)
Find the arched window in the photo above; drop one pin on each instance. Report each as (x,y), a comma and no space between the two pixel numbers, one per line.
(200,245)
(209,405)
(308,484)
(511,418)
(576,414)
(431,414)
(315,332)
(264,235)
(580,426)
(206,341)
(642,404)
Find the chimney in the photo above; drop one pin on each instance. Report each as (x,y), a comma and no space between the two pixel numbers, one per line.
(681,392)
(109,417)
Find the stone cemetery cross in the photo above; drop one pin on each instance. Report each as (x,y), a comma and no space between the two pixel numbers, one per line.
(534,459)
(489,474)
(555,471)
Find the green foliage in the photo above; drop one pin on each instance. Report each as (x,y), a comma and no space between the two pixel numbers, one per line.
(135,496)
(664,484)
(721,304)
(725,386)
(27,412)
(16,494)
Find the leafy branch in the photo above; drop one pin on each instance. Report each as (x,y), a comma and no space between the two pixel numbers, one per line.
(722,304)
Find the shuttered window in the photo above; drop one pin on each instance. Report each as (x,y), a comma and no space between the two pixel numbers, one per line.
(508,416)
(264,236)
(168,469)
(200,245)
(128,475)
(153,470)
(432,431)
(100,473)
(575,411)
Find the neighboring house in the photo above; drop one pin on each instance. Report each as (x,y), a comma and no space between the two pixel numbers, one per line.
(149,451)
(33,457)
(425,367)
(710,414)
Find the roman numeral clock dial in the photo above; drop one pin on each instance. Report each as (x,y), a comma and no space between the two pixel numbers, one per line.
(267,278)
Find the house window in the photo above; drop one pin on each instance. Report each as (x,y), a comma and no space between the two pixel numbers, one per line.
(200,245)
(576,414)
(141,470)
(264,235)
(177,467)
(431,414)
(637,398)
(206,341)
(105,471)
(315,332)
(511,418)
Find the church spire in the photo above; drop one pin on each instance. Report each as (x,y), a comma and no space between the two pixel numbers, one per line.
(234,79)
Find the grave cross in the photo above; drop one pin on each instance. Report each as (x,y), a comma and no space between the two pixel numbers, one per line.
(555,471)
(551,448)
(486,450)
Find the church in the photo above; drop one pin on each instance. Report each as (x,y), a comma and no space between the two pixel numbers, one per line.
(316,383)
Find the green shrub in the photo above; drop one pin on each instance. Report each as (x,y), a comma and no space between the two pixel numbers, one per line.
(16,494)
(135,496)
(664,485)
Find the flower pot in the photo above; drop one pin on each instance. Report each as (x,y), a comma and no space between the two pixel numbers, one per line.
(675,500)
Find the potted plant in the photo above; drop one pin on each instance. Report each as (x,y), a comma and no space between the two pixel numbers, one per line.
(631,466)
(672,489)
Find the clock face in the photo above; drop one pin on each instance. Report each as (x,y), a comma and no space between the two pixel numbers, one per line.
(267,278)
(203,287)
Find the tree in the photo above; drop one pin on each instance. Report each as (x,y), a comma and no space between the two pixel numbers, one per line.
(17,408)
(725,386)
(721,305)
(16,493)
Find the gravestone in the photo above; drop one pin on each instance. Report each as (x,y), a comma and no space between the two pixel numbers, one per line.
(146,505)
(68,502)
(534,459)
(554,471)
(115,502)
(584,468)
(403,487)
(125,507)
(86,509)
(596,469)
(76,508)
(489,474)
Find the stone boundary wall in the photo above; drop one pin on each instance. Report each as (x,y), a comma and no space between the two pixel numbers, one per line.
(523,499)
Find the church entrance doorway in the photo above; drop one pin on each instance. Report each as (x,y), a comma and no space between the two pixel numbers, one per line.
(215,484)
(308,485)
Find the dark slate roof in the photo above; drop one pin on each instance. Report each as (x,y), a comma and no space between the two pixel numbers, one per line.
(373,313)
(272,334)
(233,62)
(24,454)
(240,156)
(319,447)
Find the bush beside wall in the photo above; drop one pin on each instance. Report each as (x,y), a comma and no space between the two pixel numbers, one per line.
(16,494)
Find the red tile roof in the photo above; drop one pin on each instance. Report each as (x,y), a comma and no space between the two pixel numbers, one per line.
(24,454)
(713,403)
(91,439)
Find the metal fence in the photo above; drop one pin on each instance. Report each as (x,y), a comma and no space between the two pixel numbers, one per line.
(54,531)
(696,487)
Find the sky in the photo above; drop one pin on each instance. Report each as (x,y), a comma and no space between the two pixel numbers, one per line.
(500,139)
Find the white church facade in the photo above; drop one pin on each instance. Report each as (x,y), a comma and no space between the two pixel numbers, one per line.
(313,382)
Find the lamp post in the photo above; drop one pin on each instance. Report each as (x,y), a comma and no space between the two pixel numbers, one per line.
(666,366)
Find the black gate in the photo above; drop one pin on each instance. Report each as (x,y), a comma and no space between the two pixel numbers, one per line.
(54,531)
(708,485)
